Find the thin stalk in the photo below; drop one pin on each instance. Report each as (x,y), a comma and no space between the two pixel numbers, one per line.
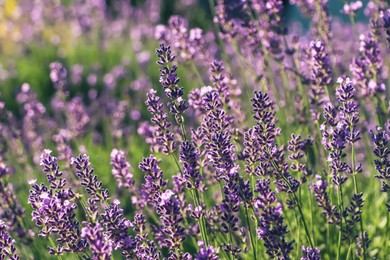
(54,246)
(387,233)
(298,203)
(349,250)
(356,192)
(339,246)
(202,221)
(197,74)
(250,232)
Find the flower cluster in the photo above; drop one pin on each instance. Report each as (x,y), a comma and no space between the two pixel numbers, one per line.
(7,244)
(170,81)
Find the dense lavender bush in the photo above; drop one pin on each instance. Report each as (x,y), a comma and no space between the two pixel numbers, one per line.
(248,138)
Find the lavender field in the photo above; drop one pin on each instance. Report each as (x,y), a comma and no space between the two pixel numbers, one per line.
(194,129)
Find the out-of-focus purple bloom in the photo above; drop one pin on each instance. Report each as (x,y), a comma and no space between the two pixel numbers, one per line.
(310,253)
(121,169)
(77,116)
(34,121)
(385,15)
(352,7)
(7,244)
(63,148)
(367,68)
(58,75)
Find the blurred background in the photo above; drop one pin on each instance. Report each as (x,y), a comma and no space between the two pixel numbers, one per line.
(91,37)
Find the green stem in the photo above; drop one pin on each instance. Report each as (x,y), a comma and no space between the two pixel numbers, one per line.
(387,233)
(356,192)
(250,232)
(299,206)
(54,246)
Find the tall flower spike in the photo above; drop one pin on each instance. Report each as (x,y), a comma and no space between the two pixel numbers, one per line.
(121,169)
(321,77)
(54,210)
(169,80)
(319,188)
(349,113)
(382,163)
(7,244)
(271,228)
(154,181)
(164,138)
(367,67)
(189,156)
(116,229)
(94,187)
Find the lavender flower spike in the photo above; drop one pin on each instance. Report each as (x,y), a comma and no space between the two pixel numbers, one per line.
(7,244)
(310,253)
(169,80)
(121,169)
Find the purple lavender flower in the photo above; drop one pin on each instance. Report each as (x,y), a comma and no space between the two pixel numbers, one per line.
(367,68)
(154,181)
(319,188)
(97,194)
(189,156)
(353,216)
(7,244)
(170,81)
(33,121)
(271,228)
(77,116)
(382,163)
(11,211)
(121,169)
(101,249)
(321,77)
(385,15)
(349,114)
(144,248)
(261,148)
(310,253)
(58,75)
(164,138)
(116,229)
(171,234)
(334,139)
(206,253)
(53,209)
(297,148)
